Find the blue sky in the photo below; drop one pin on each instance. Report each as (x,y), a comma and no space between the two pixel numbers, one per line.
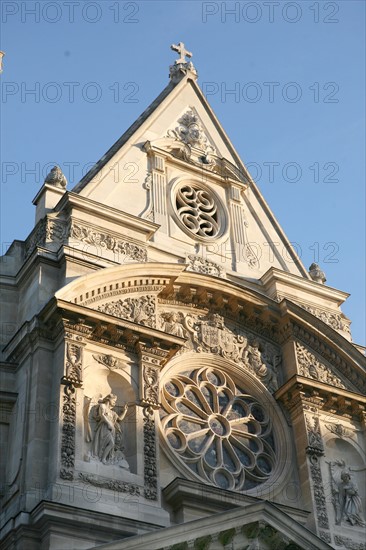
(286,80)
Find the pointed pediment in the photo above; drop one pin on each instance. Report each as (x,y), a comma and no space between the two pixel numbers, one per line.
(177,148)
(257,525)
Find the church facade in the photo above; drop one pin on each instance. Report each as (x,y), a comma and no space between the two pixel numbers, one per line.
(165,384)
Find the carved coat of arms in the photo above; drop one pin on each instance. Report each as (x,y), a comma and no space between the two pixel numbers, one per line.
(215,337)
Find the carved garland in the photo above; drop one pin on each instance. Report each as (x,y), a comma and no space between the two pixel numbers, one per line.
(111,484)
(150,466)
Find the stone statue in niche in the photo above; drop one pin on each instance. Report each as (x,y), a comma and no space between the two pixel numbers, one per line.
(107,441)
(350,501)
(346,500)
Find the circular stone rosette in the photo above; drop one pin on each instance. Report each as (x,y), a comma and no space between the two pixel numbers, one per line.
(199,211)
(223,434)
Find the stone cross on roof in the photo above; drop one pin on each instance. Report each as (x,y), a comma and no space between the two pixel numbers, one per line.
(182,52)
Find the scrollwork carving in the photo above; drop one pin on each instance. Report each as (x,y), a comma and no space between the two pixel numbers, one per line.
(107,241)
(197,210)
(112,363)
(190,132)
(334,320)
(339,430)
(202,265)
(311,367)
(141,310)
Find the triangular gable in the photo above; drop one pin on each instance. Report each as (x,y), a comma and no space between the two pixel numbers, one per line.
(259,525)
(123,178)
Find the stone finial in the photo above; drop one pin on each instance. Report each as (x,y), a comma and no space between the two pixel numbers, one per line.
(1,61)
(317,274)
(56,178)
(181,65)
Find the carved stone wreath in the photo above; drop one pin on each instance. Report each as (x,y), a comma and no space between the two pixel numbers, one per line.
(223,434)
(198,210)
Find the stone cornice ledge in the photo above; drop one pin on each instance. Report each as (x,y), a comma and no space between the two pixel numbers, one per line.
(181,491)
(274,276)
(298,381)
(72,200)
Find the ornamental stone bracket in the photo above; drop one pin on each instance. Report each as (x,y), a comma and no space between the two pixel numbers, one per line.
(300,394)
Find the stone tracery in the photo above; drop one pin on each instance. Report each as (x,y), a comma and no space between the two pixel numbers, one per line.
(223,434)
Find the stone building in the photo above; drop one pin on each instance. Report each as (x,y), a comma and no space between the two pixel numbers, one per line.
(157,369)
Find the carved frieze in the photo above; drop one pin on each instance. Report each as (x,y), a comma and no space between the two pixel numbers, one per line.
(107,241)
(141,310)
(112,363)
(355,375)
(339,430)
(334,320)
(207,267)
(311,367)
(59,231)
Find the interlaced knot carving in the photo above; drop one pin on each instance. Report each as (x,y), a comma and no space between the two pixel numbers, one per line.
(197,211)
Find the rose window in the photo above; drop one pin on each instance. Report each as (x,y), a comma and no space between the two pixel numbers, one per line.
(220,432)
(198,211)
